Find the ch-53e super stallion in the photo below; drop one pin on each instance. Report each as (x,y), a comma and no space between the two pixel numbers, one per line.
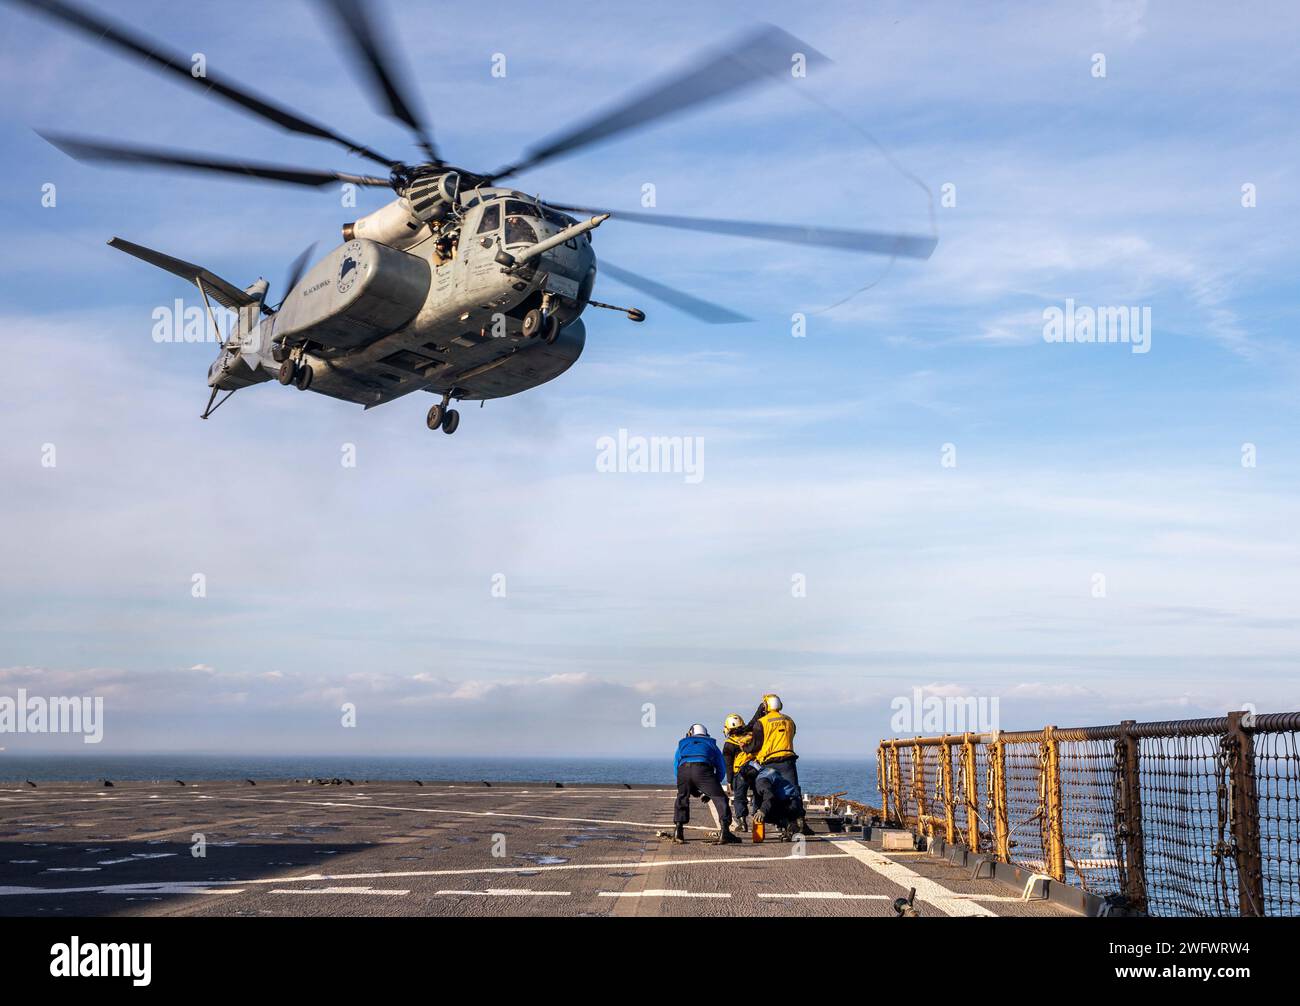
(459,287)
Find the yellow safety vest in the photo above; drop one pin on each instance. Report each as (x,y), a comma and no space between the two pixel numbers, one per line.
(742,756)
(778,738)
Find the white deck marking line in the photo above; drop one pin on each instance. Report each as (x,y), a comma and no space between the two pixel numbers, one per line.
(627,794)
(342,890)
(179,888)
(547,869)
(829,896)
(473,813)
(172,796)
(184,887)
(508,892)
(651,893)
(926,889)
(156,887)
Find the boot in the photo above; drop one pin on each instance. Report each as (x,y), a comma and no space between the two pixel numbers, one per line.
(679,836)
(725,837)
(803,827)
(741,826)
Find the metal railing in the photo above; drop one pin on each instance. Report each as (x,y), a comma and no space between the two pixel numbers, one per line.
(1187,817)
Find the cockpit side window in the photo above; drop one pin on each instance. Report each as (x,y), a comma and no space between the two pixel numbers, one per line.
(491,218)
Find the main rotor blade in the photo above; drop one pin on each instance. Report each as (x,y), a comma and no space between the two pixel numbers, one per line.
(763,55)
(860,242)
(153,53)
(714,314)
(376,62)
(95,150)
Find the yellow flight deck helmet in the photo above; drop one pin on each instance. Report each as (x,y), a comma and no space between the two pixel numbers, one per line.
(733,721)
(773,702)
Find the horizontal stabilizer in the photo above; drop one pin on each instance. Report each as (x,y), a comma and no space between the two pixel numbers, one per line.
(226,294)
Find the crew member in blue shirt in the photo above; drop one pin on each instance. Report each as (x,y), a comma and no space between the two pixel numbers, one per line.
(776,797)
(700,771)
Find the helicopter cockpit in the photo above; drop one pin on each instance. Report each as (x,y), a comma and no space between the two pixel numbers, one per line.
(519,229)
(518,220)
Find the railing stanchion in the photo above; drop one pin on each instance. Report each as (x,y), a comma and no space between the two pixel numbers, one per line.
(1053,808)
(972,793)
(1245,817)
(898,786)
(1129,844)
(918,787)
(882,784)
(949,806)
(1001,827)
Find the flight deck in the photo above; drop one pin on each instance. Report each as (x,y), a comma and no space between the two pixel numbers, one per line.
(303,848)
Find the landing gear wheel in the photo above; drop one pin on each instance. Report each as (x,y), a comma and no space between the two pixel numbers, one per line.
(303,378)
(533,322)
(287,372)
(434,419)
(450,421)
(551,329)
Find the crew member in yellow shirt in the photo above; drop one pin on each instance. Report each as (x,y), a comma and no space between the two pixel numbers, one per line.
(772,745)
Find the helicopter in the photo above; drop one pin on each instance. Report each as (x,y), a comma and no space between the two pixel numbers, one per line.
(460,286)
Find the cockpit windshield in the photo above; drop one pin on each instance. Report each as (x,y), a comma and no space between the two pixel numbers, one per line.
(517,207)
(491,218)
(522,219)
(518,230)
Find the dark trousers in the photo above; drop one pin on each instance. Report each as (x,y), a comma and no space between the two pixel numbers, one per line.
(694,778)
(786,770)
(777,812)
(740,790)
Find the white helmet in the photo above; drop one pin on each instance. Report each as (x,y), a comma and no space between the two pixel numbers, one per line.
(773,702)
(697,730)
(733,722)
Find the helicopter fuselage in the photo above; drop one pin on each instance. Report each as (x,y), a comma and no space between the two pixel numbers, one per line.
(435,307)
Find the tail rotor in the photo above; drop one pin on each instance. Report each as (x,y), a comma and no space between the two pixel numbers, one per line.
(296,268)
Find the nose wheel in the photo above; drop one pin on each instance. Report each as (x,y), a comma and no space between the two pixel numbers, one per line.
(441,417)
(541,323)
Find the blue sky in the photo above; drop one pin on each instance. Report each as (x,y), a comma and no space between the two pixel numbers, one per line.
(372,584)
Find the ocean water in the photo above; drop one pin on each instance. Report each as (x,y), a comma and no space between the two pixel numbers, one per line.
(816,775)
